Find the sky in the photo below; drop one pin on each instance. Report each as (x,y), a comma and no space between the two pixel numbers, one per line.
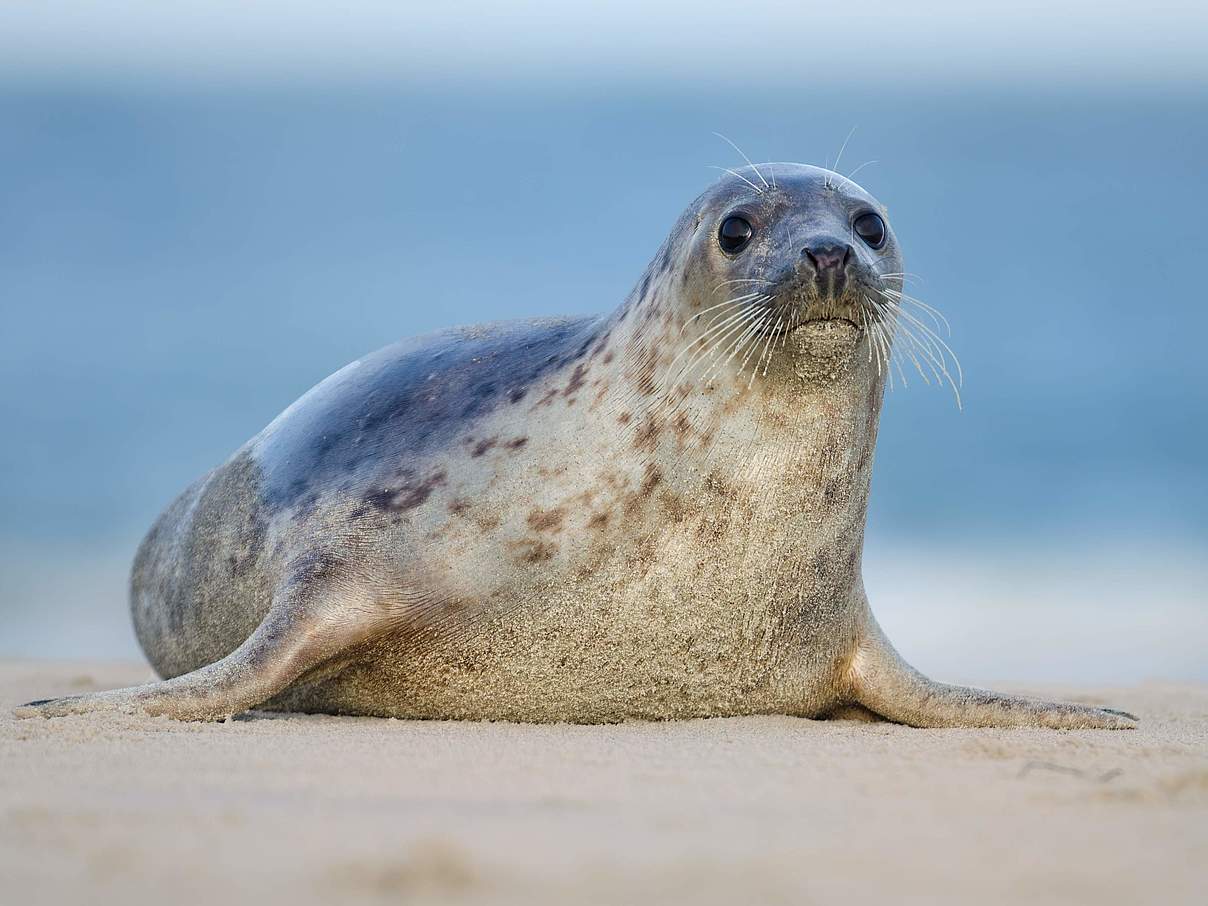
(705,40)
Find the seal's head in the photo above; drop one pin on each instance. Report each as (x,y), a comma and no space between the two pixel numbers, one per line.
(788,257)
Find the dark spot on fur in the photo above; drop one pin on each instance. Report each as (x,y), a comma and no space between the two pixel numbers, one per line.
(647,435)
(650,479)
(517,394)
(407,495)
(866,453)
(483,446)
(682,426)
(459,507)
(608,357)
(516,443)
(718,484)
(537,551)
(546,400)
(597,521)
(546,520)
(673,506)
(576,380)
(624,418)
(644,374)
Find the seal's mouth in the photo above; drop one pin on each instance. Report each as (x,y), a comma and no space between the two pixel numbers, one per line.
(808,308)
(827,322)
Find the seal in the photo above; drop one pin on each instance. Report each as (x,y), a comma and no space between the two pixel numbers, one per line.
(656,513)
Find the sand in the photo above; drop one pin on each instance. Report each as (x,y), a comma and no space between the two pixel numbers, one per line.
(312,809)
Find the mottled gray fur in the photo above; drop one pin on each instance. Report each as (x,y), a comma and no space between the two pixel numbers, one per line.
(656,513)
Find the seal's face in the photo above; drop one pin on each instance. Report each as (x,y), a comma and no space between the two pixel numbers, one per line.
(794,254)
(813,241)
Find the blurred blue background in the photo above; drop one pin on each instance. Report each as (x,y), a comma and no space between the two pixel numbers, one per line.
(205,209)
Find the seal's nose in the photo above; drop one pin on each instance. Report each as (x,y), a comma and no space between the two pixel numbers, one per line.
(830,265)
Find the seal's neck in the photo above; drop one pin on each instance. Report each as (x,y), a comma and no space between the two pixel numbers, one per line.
(794,436)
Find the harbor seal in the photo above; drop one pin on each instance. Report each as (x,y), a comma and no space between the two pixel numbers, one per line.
(655,513)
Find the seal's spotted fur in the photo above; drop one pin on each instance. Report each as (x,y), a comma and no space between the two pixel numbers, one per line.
(657,513)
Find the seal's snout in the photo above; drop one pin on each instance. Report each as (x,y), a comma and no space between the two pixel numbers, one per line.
(829,260)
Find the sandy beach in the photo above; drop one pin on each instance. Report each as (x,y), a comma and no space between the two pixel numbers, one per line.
(309,809)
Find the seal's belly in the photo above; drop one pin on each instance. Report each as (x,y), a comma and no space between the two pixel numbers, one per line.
(593,651)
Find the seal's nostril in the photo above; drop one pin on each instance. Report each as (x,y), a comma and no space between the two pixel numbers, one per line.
(828,257)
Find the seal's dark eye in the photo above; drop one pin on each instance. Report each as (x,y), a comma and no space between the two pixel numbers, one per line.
(734,234)
(871,228)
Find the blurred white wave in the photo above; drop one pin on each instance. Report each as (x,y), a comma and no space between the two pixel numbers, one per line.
(1075,610)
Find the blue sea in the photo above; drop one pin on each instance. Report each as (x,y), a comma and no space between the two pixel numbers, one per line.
(178,264)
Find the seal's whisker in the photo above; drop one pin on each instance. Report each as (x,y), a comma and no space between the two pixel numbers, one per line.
(721,333)
(894,351)
(842,148)
(907,348)
(706,354)
(933,357)
(935,314)
(744,157)
(768,350)
(733,342)
(737,300)
(878,336)
(883,353)
(870,328)
(764,334)
(889,351)
(742,342)
(753,345)
(935,318)
(926,350)
(725,322)
(932,338)
(867,163)
(699,343)
(742,280)
(758,191)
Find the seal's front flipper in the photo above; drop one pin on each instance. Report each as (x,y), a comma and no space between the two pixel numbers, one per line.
(884,683)
(286,645)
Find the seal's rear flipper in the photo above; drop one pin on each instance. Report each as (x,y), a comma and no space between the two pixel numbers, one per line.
(884,683)
(291,641)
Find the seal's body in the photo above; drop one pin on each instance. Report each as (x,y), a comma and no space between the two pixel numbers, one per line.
(657,513)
